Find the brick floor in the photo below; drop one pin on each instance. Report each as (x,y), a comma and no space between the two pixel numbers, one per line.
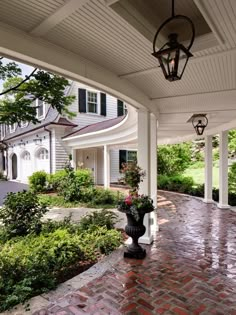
(190,268)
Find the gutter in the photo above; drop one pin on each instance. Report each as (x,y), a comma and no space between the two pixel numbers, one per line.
(50,148)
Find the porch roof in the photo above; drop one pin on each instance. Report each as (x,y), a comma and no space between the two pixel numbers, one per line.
(95,127)
(108,44)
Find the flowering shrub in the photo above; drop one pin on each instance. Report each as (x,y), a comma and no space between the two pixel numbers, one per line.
(136,205)
(132,175)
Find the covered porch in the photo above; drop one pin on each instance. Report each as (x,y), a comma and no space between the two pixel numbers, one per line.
(107,44)
(190,268)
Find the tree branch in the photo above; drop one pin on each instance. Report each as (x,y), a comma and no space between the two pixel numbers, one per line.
(19,84)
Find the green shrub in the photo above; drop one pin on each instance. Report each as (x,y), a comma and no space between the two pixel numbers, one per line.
(21,213)
(99,218)
(99,196)
(2,176)
(173,159)
(69,187)
(178,183)
(84,177)
(55,179)
(232,178)
(38,181)
(32,265)
(100,240)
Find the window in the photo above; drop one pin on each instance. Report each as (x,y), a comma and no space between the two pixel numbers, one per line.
(12,128)
(26,156)
(126,156)
(131,156)
(23,124)
(40,109)
(92,102)
(43,154)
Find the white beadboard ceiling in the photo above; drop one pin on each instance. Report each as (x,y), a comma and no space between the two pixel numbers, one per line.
(123,45)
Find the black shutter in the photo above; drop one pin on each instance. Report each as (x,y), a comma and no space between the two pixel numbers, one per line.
(120,108)
(122,158)
(103,104)
(82,100)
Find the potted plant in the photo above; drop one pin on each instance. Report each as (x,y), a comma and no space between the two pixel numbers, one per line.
(135,207)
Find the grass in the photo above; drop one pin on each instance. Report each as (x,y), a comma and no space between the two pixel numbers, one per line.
(53,200)
(198,175)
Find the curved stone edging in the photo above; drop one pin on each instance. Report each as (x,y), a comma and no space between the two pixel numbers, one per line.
(45,300)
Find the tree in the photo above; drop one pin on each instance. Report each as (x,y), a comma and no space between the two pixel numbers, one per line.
(19,93)
(173,159)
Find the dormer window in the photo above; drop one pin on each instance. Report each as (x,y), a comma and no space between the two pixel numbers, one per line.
(40,109)
(92,102)
(12,128)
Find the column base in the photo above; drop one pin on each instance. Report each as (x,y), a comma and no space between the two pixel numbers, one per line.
(221,206)
(208,200)
(146,240)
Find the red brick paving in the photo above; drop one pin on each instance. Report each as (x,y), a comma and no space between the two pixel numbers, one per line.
(190,268)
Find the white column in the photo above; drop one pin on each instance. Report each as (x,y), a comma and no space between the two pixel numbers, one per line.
(106,167)
(144,163)
(208,170)
(153,170)
(73,156)
(223,169)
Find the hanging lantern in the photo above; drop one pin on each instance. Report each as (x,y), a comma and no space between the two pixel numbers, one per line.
(199,123)
(173,56)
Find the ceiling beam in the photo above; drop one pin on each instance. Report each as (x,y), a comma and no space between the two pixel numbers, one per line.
(109,2)
(205,14)
(59,15)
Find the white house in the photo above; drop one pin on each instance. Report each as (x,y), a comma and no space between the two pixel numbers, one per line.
(45,146)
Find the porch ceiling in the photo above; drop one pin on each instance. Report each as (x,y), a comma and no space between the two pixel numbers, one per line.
(108,44)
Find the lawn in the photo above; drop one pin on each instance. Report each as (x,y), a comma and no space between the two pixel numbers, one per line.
(199,178)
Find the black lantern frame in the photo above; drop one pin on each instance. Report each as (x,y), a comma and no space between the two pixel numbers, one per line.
(199,123)
(173,56)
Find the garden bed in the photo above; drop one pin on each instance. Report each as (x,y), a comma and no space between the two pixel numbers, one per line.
(35,257)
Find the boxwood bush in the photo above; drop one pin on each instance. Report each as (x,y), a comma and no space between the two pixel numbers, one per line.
(178,183)
(186,185)
(38,181)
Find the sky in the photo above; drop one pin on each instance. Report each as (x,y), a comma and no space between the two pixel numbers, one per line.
(26,70)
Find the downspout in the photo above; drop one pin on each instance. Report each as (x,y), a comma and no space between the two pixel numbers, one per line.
(6,160)
(50,148)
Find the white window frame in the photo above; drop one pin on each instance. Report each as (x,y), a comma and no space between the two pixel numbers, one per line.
(23,124)
(127,154)
(42,116)
(97,104)
(26,154)
(43,154)
(12,129)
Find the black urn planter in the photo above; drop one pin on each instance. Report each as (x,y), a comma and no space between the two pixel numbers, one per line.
(135,229)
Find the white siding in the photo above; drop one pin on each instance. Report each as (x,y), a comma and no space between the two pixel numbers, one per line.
(115,172)
(32,148)
(61,150)
(84,119)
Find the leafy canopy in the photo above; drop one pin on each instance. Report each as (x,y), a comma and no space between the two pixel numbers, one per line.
(18,94)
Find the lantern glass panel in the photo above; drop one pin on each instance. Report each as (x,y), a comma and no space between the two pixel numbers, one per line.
(183,59)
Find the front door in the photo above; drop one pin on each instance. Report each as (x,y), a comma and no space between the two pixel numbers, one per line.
(89,161)
(14,166)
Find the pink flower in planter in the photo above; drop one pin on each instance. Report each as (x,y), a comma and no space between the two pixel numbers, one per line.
(128,201)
